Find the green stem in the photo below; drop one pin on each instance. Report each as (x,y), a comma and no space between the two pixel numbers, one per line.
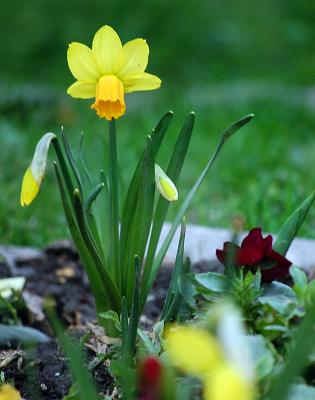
(114,205)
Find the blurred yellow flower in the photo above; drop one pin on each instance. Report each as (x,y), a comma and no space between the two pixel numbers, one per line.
(226,383)
(7,392)
(195,351)
(35,173)
(108,71)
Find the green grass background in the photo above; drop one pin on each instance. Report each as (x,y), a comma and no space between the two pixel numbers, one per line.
(223,59)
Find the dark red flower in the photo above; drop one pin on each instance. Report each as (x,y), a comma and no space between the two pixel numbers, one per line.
(149,379)
(255,253)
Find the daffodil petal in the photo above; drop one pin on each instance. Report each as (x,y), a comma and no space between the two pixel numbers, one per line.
(35,173)
(136,56)
(82,90)
(193,350)
(140,82)
(107,49)
(82,62)
(8,392)
(225,383)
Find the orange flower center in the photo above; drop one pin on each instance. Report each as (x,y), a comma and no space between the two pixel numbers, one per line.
(109,98)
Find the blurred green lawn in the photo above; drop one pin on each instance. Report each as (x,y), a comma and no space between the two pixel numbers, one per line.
(222,59)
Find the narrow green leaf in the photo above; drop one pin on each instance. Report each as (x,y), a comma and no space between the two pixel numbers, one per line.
(71,161)
(64,167)
(93,195)
(111,291)
(173,291)
(143,213)
(173,172)
(134,314)
(298,357)
(21,334)
(150,348)
(114,263)
(182,211)
(290,228)
(157,136)
(84,384)
(85,169)
(94,278)
(125,350)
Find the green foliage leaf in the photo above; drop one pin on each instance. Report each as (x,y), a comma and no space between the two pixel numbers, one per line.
(298,356)
(302,392)
(21,334)
(111,316)
(280,297)
(173,298)
(291,226)
(173,172)
(212,282)
(141,223)
(299,277)
(183,209)
(157,136)
(82,377)
(263,356)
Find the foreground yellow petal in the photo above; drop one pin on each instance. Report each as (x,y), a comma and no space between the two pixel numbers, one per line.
(7,392)
(193,350)
(36,171)
(107,49)
(108,71)
(226,383)
(136,55)
(82,62)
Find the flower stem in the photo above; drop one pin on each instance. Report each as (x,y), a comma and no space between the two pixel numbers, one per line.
(114,204)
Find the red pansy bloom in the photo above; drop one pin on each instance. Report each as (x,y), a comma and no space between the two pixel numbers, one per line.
(149,379)
(256,252)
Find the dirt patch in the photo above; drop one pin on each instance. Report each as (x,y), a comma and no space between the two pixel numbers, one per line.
(56,272)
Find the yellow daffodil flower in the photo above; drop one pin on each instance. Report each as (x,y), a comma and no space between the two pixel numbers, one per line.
(197,352)
(35,173)
(226,383)
(193,350)
(7,392)
(164,185)
(109,70)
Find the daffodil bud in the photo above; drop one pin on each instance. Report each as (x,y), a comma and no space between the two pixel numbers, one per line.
(35,173)
(164,185)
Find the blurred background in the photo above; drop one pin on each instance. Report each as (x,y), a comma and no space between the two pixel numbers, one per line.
(223,59)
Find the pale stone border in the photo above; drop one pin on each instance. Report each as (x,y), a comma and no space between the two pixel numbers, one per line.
(202,242)
(200,245)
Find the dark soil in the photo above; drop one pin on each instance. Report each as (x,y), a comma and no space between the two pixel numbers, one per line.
(56,272)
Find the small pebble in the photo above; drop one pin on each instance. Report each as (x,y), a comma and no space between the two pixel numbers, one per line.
(43,387)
